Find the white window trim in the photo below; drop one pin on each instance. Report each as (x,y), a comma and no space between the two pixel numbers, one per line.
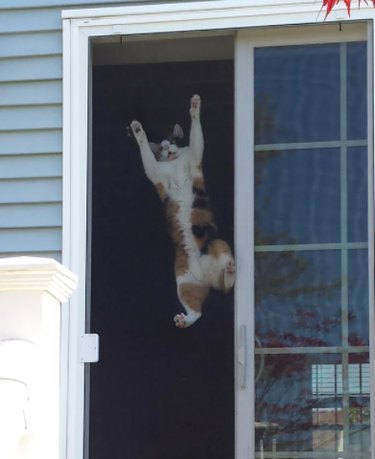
(78,27)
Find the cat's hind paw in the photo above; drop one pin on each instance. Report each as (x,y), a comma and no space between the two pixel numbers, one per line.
(195,106)
(180,320)
(138,131)
(229,275)
(184,321)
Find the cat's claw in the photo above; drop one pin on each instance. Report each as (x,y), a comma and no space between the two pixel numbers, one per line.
(195,105)
(229,274)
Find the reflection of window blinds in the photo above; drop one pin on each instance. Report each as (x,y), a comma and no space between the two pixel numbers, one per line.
(327,379)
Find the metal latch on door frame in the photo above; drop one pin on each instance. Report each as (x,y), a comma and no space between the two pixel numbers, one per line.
(89,348)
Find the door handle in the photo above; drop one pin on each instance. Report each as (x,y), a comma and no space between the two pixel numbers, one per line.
(242,356)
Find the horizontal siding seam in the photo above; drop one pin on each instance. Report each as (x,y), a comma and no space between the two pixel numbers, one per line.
(32,9)
(30,156)
(39,253)
(16,82)
(31,80)
(47,254)
(20,229)
(24,130)
(31,32)
(28,56)
(31,105)
(27,178)
(51,230)
(29,204)
(30,179)
(21,130)
(72,6)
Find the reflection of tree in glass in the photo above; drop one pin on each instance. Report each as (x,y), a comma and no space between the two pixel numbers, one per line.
(284,398)
(264,120)
(283,276)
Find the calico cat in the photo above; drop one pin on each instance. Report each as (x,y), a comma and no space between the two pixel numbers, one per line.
(202,259)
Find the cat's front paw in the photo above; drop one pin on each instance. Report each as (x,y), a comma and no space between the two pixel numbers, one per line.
(138,132)
(229,275)
(195,107)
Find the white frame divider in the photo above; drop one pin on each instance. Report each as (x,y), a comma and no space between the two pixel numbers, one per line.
(79,26)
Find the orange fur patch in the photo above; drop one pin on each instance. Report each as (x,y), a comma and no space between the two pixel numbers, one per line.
(182,261)
(218,247)
(175,229)
(193,295)
(201,216)
(161,191)
(199,183)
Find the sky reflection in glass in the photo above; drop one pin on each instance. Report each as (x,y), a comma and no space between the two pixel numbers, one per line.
(297,90)
(297,197)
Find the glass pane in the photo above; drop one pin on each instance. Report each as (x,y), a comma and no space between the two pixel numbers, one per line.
(357,194)
(297,93)
(299,403)
(310,402)
(358,297)
(311,253)
(359,403)
(297,298)
(297,197)
(357,90)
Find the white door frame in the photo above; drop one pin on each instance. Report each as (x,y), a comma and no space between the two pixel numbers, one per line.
(78,27)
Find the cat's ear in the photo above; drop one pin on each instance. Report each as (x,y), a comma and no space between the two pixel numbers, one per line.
(178,133)
(155,148)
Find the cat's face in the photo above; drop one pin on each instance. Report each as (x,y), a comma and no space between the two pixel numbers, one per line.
(168,149)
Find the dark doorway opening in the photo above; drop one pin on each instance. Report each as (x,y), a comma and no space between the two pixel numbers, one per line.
(158,392)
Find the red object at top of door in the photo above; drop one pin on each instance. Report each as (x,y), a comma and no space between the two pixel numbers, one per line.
(329,4)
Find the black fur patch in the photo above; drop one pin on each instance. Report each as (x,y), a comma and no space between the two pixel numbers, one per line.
(200,231)
(201,203)
(207,232)
(199,192)
(165,202)
(201,200)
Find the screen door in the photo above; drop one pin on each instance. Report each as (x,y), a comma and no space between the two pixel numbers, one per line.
(158,392)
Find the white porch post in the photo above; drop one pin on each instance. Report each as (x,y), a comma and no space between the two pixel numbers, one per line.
(31,293)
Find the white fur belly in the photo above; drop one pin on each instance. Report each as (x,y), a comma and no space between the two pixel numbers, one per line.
(183,195)
(181,191)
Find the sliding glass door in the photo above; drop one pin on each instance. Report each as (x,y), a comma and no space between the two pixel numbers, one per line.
(312,377)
